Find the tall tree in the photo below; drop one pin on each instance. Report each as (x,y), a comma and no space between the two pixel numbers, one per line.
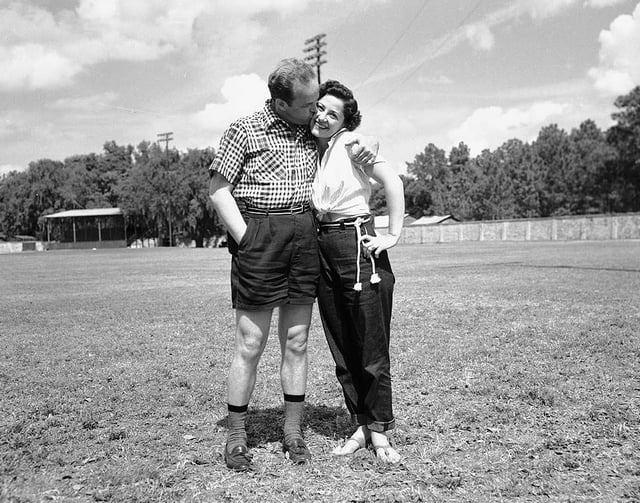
(85,187)
(46,179)
(463,178)
(590,156)
(114,164)
(624,136)
(494,192)
(433,183)
(200,221)
(14,194)
(552,162)
(146,194)
(517,161)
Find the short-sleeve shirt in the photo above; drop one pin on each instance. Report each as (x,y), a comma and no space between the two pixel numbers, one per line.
(270,164)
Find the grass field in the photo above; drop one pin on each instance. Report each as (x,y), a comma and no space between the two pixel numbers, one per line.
(516,378)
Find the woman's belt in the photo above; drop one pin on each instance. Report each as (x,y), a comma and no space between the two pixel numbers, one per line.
(345,222)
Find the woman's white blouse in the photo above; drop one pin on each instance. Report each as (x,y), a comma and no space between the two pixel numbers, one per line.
(340,186)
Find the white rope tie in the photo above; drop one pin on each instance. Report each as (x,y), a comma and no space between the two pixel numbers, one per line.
(375,278)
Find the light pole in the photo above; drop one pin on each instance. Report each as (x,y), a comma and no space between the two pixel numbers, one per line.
(315,45)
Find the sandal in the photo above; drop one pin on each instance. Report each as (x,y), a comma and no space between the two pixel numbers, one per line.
(354,443)
(382,448)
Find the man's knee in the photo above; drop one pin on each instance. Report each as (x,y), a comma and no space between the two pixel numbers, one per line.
(297,338)
(252,331)
(250,345)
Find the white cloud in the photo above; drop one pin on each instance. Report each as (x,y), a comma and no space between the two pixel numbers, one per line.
(490,127)
(21,23)
(34,66)
(563,91)
(480,36)
(598,4)
(539,9)
(243,95)
(40,49)
(544,8)
(619,68)
(256,6)
(8,168)
(611,82)
(440,80)
(86,103)
(138,31)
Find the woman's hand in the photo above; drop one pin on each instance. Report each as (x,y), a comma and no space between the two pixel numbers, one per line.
(377,244)
(362,149)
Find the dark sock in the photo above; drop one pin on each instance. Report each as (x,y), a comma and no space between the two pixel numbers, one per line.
(235,423)
(293,411)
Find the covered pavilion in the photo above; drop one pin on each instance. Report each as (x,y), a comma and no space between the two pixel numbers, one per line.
(92,228)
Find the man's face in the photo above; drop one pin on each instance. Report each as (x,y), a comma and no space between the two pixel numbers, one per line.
(303,104)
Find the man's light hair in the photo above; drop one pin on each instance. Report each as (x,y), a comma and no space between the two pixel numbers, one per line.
(287,73)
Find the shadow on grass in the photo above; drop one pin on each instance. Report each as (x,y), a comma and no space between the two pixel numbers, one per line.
(265,425)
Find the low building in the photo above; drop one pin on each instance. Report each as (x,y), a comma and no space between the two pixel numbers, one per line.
(92,228)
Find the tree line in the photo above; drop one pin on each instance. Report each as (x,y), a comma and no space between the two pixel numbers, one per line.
(164,193)
(583,171)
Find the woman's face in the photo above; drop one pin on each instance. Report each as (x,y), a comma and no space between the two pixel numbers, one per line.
(329,117)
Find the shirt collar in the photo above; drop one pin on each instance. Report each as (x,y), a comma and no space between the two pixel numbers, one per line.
(271,119)
(336,135)
(269,116)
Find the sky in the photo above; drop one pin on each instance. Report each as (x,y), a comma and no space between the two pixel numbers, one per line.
(78,73)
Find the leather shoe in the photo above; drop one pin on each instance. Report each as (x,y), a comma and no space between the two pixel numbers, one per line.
(238,458)
(297,451)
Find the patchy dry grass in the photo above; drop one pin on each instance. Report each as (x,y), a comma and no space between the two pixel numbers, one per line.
(515,376)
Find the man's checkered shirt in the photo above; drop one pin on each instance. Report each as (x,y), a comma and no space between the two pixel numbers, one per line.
(270,165)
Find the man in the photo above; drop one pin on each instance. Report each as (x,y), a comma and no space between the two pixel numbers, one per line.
(260,187)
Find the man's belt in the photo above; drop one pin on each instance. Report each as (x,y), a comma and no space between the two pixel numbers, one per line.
(291,210)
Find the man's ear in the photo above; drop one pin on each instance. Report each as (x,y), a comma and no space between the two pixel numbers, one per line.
(281,105)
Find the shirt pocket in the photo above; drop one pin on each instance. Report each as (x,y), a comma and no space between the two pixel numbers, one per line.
(263,163)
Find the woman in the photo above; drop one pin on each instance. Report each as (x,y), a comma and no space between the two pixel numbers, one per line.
(356,287)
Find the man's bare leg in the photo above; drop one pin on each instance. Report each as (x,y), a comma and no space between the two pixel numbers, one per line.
(252,332)
(293,330)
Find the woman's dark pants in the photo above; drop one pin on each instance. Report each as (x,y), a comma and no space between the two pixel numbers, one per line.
(357,324)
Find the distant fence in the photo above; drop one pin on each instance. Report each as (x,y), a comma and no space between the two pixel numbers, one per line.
(566,228)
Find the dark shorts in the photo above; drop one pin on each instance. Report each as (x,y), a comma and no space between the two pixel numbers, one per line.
(275,263)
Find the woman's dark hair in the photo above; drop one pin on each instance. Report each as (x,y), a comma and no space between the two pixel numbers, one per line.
(352,117)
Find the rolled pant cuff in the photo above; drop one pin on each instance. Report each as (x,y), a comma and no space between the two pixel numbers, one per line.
(379,426)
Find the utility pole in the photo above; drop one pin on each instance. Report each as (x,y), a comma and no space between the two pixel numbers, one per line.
(166,138)
(315,45)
